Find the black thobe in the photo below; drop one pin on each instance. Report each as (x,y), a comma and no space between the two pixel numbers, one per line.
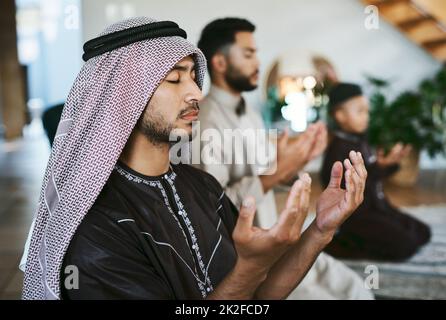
(164,237)
(376,230)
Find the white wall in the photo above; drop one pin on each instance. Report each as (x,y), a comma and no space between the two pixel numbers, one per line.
(332,28)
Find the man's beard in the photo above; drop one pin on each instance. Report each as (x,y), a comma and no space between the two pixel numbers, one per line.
(238,81)
(160,132)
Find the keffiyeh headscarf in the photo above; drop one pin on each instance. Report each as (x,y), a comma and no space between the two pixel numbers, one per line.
(103,106)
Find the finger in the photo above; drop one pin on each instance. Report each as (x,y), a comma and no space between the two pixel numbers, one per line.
(304,201)
(308,138)
(361,166)
(312,131)
(312,144)
(336,175)
(356,180)
(349,195)
(397,148)
(304,145)
(324,131)
(317,148)
(293,200)
(324,127)
(392,150)
(313,127)
(245,218)
(402,148)
(303,206)
(282,230)
(289,215)
(400,153)
(407,149)
(322,136)
(321,126)
(363,173)
(358,164)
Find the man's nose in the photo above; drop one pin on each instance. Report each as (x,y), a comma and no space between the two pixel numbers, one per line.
(256,62)
(194,94)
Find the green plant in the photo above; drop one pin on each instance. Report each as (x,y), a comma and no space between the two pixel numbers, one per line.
(416,118)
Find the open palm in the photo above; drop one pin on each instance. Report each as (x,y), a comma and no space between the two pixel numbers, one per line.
(330,208)
(335,204)
(265,246)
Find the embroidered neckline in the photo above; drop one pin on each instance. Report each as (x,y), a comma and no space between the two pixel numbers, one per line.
(137,177)
(205,285)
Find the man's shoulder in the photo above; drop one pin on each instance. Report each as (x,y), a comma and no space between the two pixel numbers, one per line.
(111,201)
(104,218)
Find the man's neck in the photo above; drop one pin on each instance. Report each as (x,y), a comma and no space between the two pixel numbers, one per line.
(144,156)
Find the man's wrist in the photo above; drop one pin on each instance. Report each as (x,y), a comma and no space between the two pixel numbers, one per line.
(250,272)
(241,283)
(268,182)
(248,278)
(321,237)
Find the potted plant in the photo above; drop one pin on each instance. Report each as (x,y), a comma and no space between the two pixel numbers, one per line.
(416,118)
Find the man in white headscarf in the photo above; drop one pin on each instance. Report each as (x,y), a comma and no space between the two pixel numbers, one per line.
(117,220)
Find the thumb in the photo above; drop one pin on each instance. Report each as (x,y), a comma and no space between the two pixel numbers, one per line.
(246,217)
(397,148)
(336,175)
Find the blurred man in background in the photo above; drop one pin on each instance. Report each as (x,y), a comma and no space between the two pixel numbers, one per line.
(230,49)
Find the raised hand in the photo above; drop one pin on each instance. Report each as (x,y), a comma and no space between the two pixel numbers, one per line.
(260,248)
(335,204)
(292,154)
(320,142)
(395,155)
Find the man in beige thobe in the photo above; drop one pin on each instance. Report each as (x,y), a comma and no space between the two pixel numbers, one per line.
(230,49)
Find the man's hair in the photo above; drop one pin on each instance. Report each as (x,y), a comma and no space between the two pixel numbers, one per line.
(340,93)
(219,33)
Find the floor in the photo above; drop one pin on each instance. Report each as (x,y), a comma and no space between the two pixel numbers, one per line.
(23,162)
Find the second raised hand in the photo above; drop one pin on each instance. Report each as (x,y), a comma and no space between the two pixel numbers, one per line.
(320,142)
(260,248)
(335,204)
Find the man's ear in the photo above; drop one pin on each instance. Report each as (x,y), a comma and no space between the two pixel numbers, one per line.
(340,116)
(219,63)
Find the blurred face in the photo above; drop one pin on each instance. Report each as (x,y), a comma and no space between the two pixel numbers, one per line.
(173,106)
(242,72)
(353,115)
